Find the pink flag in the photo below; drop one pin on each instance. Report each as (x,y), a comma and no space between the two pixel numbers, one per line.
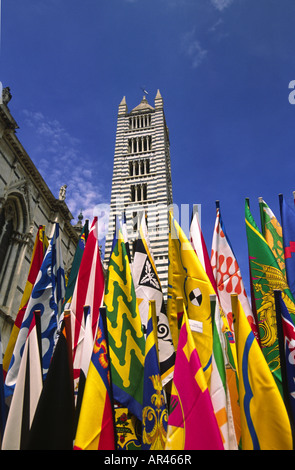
(192,424)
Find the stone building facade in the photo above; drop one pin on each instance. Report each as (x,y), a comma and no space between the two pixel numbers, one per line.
(142,178)
(25,203)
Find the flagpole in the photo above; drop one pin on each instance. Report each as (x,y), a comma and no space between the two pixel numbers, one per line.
(68,331)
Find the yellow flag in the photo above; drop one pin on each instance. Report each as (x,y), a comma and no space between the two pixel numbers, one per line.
(264,420)
(188,279)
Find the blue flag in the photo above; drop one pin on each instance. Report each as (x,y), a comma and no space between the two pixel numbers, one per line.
(288,227)
(47,296)
(286,335)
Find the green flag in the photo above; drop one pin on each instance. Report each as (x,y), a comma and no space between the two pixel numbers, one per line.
(266,276)
(125,333)
(272,232)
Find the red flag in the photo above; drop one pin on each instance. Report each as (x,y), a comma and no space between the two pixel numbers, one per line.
(89,290)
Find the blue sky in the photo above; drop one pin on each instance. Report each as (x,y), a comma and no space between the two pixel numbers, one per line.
(223,68)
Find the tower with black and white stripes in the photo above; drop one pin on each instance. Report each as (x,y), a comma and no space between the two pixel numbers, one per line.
(142,178)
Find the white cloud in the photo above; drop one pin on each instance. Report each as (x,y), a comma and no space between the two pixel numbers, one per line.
(221,4)
(60,158)
(192,49)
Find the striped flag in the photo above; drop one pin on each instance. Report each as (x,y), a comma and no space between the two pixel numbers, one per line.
(47,296)
(40,247)
(89,290)
(219,390)
(26,394)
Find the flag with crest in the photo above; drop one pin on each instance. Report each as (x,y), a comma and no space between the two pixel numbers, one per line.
(266,276)
(272,232)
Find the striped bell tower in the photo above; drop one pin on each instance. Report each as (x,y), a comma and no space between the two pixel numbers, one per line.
(142,179)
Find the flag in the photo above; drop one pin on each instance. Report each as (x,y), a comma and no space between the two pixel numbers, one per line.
(96,422)
(88,345)
(199,245)
(272,232)
(76,265)
(40,247)
(47,296)
(265,276)
(188,280)
(125,333)
(227,274)
(89,290)
(288,225)
(286,335)
(192,423)
(148,287)
(128,429)
(26,394)
(264,420)
(53,424)
(154,413)
(219,390)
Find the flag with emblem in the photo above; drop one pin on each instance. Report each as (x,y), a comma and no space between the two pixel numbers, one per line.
(154,412)
(265,423)
(188,280)
(286,335)
(266,276)
(47,296)
(40,247)
(125,332)
(288,225)
(192,423)
(272,232)
(148,287)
